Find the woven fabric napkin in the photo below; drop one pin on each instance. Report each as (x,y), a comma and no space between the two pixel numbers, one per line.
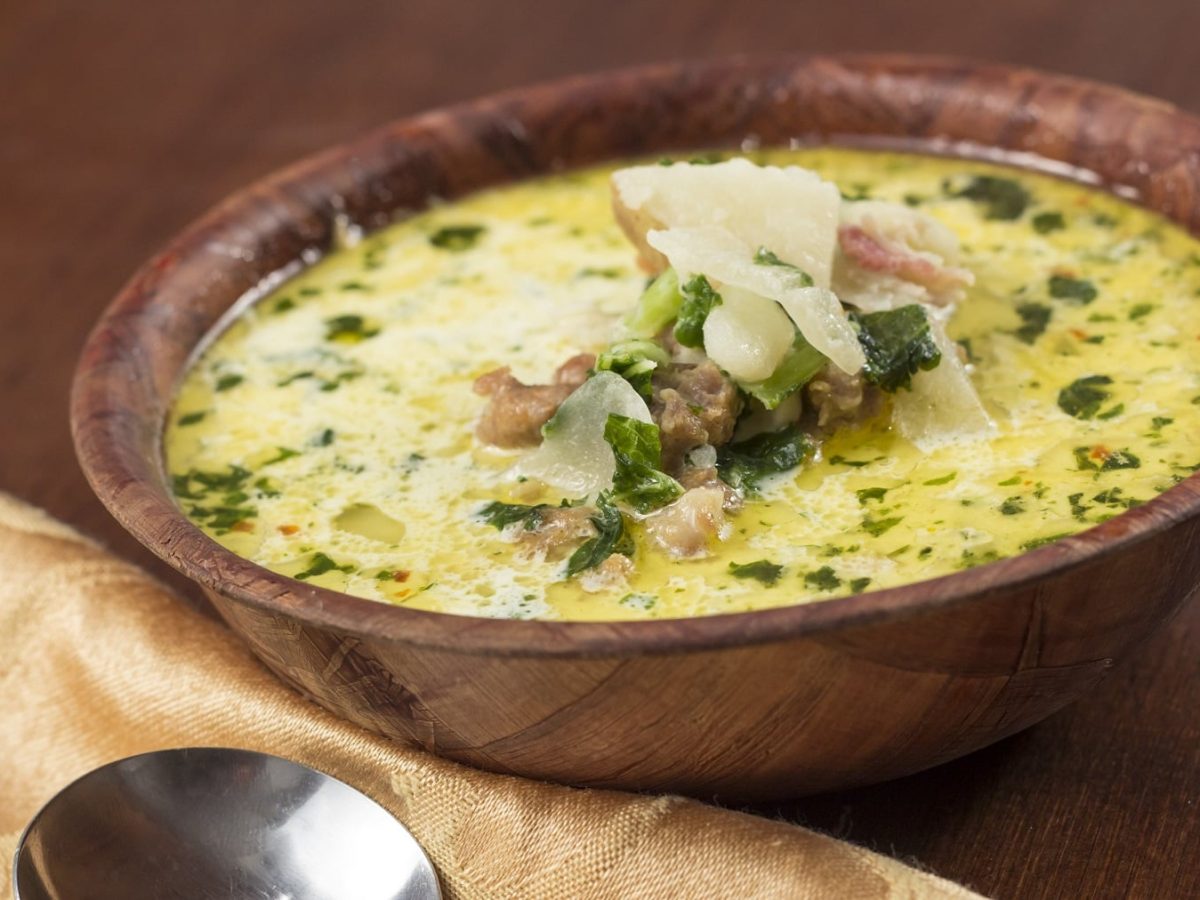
(98,661)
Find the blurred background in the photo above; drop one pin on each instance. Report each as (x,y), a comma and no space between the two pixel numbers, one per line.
(122,120)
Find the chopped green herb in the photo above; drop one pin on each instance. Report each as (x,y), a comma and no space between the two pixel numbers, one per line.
(191,418)
(1043,541)
(223,518)
(457,238)
(349,329)
(325,438)
(592,272)
(1016,479)
(1075,290)
(319,564)
(284,453)
(1112,412)
(1158,423)
(639,601)
(699,298)
(944,479)
(501,515)
(897,343)
(925,553)
(823,579)
(745,464)
(1001,198)
(765,257)
(1120,459)
(612,537)
(853,463)
(762,570)
(1046,222)
(638,479)
(226,382)
(283,304)
(1083,397)
(858,585)
(353,286)
(1034,319)
(877,527)
(1140,311)
(871,493)
(1078,507)
(1012,506)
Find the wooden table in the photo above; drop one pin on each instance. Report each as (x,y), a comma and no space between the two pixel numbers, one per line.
(121,121)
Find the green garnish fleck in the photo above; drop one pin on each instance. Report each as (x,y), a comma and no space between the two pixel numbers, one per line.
(1002,198)
(823,579)
(191,418)
(457,238)
(762,570)
(1034,319)
(1075,290)
(1046,222)
(226,382)
(319,564)
(877,527)
(1083,397)
(765,257)
(349,329)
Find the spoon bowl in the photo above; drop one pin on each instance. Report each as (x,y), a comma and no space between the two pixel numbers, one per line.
(208,822)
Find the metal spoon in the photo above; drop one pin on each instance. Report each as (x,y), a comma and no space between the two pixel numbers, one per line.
(204,823)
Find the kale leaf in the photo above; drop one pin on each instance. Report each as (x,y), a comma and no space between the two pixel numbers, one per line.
(801,363)
(745,464)
(699,298)
(612,536)
(657,307)
(638,452)
(501,515)
(635,361)
(1083,397)
(897,343)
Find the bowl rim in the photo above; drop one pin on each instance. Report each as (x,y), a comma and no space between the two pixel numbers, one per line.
(146,509)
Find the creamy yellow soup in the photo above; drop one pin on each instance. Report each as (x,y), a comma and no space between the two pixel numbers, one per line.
(327,434)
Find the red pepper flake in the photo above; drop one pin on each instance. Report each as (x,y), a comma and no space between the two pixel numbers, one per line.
(288,529)
(1078,333)
(401,575)
(242,526)
(1100,452)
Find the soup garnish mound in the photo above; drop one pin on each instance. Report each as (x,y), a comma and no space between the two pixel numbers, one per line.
(696,387)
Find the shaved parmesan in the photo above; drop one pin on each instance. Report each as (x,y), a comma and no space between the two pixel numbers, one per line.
(728,261)
(942,407)
(574,456)
(791,211)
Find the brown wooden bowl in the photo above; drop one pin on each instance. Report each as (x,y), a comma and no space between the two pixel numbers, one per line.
(776,703)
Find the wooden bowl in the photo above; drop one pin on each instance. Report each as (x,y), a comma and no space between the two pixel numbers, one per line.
(766,704)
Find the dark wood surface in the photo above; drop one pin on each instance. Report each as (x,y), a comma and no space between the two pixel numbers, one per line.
(121,122)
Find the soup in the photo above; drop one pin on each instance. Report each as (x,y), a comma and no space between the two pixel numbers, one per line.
(347,430)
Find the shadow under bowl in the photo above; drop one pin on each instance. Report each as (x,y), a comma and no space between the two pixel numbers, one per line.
(770,704)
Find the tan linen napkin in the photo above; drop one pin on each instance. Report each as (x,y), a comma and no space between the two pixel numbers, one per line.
(98,662)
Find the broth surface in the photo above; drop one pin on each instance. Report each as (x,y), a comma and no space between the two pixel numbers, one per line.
(327,434)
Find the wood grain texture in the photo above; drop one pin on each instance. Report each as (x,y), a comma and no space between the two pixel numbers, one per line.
(122,123)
